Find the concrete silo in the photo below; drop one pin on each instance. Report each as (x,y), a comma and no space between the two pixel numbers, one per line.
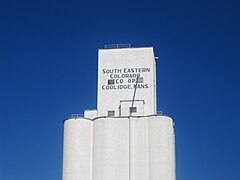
(124,139)
(77,149)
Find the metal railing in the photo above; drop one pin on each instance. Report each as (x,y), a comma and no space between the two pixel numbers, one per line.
(159,113)
(113,46)
(76,115)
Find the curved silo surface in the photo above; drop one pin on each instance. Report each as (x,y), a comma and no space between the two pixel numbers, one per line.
(152,150)
(111,149)
(139,149)
(161,148)
(77,149)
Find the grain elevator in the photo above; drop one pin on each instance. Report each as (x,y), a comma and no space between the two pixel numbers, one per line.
(124,138)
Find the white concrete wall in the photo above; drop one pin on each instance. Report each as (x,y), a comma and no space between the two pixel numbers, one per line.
(90,114)
(150,156)
(118,62)
(77,150)
(161,148)
(110,149)
(116,148)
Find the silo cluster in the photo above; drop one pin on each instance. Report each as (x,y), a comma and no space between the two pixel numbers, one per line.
(125,138)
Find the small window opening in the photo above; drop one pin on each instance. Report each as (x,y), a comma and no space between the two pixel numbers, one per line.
(133,109)
(140,80)
(111,81)
(111,113)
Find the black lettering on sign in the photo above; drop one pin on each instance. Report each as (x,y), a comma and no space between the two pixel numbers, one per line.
(125,78)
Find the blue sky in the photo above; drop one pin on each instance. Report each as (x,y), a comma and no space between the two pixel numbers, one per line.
(48,71)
